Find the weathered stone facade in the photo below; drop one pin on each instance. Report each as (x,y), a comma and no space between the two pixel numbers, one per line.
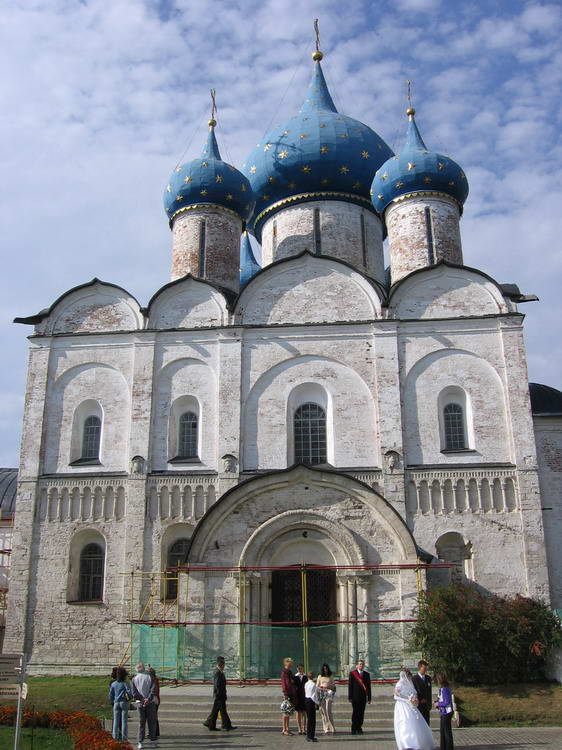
(382,363)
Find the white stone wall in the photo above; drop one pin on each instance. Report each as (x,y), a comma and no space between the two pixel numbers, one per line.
(548,434)
(347,232)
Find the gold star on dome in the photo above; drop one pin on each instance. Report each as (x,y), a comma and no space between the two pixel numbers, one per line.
(344,169)
(178,169)
(252,170)
(379,145)
(179,197)
(356,185)
(302,136)
(265,196)
(218,178)
(325,181)
(380,196)
(187,179)
(322,125)
(229,196)
(283,154)
(365,154)
(399,184)
(324,149)
(267,147)
(384,177)
(425,152)
(291,186)
(243,188)
(440,166)
(344,136)
(338,118)
(204,163)
(452,183)
(203,192)
(305,118)
(285,132)
(411,166)
(427,180)
(306,169)
(463,176)
(169,188)
(271,180)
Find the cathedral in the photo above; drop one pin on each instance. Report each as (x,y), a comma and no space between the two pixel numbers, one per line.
(321,413)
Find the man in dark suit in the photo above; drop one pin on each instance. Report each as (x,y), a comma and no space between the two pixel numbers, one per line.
(219,703)
(359,694)
(422,683)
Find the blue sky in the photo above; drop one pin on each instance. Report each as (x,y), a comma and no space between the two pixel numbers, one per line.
(100,100)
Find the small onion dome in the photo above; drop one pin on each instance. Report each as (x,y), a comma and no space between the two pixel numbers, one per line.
(417,170)
(208,180)
(248,263)
(318,154)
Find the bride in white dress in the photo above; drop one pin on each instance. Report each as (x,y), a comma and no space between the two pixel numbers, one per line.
(410,728)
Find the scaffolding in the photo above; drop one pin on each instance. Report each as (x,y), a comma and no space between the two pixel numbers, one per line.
(170,634)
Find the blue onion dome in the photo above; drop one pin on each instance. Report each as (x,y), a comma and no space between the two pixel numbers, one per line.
(208,181)
(319,154)
(248,263)
(417,170)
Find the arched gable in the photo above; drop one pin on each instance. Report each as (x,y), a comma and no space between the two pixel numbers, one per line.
(307,288)
(246,517)
(188,303)
(445,291)
(95,307)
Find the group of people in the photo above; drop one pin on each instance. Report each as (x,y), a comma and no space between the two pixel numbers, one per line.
(305,695)
(142,693)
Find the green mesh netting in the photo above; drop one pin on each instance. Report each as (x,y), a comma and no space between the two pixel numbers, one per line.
(189,652)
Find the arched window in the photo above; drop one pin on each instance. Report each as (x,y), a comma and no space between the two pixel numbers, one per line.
(176,556)
(187,438)
(91,436)
(453,424)
(310,434)
(452,548)
(91,573)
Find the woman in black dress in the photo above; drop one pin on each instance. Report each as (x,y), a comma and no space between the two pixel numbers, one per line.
(300,706)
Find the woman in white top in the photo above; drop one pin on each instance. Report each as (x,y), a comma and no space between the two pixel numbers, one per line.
(326,684)
(410,729)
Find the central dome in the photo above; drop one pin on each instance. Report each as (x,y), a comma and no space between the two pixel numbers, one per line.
(318,154)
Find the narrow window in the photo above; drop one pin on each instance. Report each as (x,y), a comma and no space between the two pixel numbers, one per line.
(91,573)
(274,240)
(202,241)
(363,241)
(429,235)
(177,555)
(317,234)
(310,434)
(187,438)
(453,421)
(91,438)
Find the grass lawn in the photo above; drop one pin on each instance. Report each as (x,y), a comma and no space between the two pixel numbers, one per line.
(89,694)
(527,704)
(43,739)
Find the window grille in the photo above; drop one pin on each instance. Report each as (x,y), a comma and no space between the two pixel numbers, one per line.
(310,434)
(177,555)
(92,561)
(453,420)
(91,438)
(187,439)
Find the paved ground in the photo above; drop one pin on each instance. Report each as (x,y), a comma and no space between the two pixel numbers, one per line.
(465,739)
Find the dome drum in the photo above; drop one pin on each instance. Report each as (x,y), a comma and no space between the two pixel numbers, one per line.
(335,228)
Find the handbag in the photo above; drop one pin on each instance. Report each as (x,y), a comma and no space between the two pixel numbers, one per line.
(456,715)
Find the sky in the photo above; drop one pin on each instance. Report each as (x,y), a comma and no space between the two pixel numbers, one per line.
(100,100)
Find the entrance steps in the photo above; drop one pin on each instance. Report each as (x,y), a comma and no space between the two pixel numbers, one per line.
(258,706)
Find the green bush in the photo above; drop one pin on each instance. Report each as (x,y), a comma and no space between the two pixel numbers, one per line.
(487,639)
